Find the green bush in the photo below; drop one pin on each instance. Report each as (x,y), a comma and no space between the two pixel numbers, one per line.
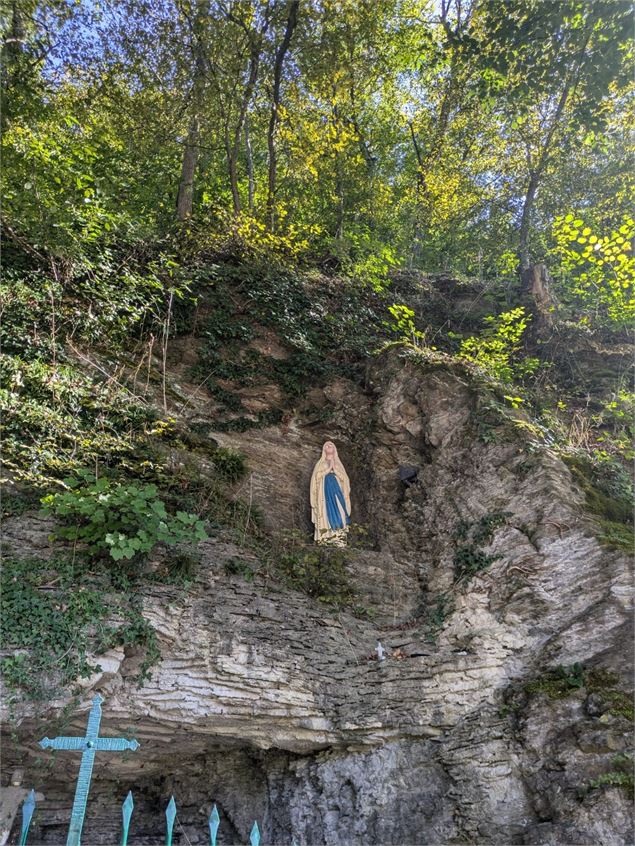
(608,492)
(56,419)
(229,464)
(564,681)
(123,520)
(620,776)
(498,348)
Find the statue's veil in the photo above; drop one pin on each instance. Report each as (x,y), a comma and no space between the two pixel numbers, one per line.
(336,460)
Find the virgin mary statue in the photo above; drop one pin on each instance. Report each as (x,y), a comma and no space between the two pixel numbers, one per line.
(330,498)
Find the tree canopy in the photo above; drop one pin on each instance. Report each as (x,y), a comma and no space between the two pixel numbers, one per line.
(441,135)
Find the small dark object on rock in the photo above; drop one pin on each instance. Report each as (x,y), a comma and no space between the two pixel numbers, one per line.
(408,475)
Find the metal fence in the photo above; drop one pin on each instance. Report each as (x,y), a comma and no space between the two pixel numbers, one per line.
(89,745)
(28,807)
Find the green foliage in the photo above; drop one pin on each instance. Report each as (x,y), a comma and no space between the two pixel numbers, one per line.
(616,423)
(323,329)
(56,419)
(229,464)
(497,350)
(616,701)
(240,567)
(407,137)
(403,324)
(124,520)
(436,615)
(560,682)
(599,269)
(469,537)
(367,259)
(488,418)
(621,775)
(614,778)
(616,535)
(317,571)
(56,614)
(609,495)
(178,568)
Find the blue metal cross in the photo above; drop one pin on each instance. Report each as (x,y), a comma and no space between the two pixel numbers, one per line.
(90,744)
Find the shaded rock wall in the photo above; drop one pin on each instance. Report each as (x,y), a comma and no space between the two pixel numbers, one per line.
(272,705)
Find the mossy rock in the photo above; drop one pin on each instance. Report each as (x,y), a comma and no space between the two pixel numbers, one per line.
(609,497)
(558,683)
(605,683)
(616,535)
(563,682)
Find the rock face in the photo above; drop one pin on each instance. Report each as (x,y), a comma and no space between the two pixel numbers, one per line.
(277,709)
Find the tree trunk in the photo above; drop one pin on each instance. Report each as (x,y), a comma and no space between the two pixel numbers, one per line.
(525,222)
(12,47)
(250,167)
(539,302)
(339,191)
(292,19)
(233,182)
(234,147)
(185,195)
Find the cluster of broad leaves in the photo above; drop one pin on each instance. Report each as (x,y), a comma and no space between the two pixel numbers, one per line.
(123,520)
(599,268)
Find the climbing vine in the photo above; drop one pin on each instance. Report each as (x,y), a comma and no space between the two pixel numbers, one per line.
(57,617)
(469,538)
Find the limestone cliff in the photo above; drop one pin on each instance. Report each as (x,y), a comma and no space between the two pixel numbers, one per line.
(276,707)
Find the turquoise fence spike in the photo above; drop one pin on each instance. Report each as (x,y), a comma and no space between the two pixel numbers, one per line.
(214,822)
(254,837)
(170,814)
(126,812)
(28,806)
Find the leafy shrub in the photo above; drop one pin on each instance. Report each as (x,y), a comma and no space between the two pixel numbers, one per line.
(608,493)
(616,535)
(403,324)
(497,349)
(611,477)
(56,419)
(599,269)
(436,615)
(318,571)
(229,464)
(614,778)
(564,681)
(605,684)
(325,329)
(123,520)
